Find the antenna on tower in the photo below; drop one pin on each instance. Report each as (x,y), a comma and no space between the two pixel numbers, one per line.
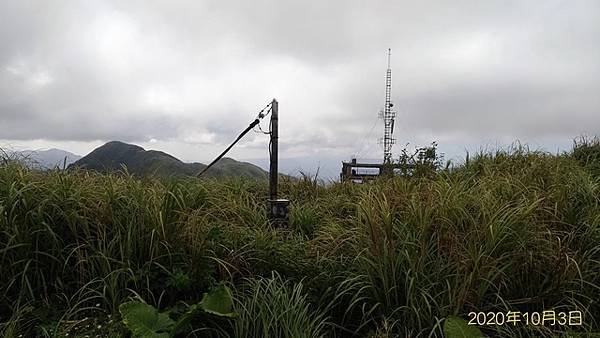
(349,169)
(388,115)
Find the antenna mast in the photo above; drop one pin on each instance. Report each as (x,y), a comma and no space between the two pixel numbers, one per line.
(388,115)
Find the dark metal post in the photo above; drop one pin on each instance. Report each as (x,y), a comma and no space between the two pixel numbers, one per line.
(278,208)
(273,170)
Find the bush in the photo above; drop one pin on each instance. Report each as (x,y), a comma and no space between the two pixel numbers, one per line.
(274,307)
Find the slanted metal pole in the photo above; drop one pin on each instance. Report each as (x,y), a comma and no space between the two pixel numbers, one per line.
(273,170)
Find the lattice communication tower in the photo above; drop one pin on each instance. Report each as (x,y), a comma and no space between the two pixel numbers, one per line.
(388,115)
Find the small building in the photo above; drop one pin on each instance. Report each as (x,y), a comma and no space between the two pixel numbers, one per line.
(363,172)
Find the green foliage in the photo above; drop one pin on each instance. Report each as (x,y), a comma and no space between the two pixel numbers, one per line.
(511,230)
(274,307)
(218,302)
(587,152)
(145,321)
(179,280)
(456,327)
(423,162)
(304,220)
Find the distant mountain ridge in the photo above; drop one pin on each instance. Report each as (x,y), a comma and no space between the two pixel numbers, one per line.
(45,159)
(115,155)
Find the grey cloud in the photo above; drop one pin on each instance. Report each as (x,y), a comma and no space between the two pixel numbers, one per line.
(83,126)
(477,69)
(511,109)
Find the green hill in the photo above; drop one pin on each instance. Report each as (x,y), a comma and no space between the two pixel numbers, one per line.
(115,155)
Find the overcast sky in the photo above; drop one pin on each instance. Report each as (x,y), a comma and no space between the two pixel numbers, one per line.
(186,76)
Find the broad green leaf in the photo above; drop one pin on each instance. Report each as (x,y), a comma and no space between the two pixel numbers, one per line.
(456,327)
(186,318)
(218,302)
(145,321)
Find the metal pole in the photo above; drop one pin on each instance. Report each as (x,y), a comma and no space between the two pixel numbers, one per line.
(273,170)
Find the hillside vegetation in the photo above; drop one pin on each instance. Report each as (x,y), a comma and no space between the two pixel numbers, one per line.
(514,230)
(115,156)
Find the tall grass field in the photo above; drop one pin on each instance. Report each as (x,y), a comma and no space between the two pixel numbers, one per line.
(508,231)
